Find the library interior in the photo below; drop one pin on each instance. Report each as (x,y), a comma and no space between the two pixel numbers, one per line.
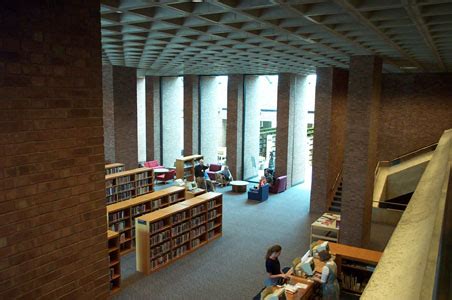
(226,149)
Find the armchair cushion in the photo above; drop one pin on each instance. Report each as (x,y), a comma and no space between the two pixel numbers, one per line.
(166,176)
(153,164)
(279,185)
(260,194)
(213,169)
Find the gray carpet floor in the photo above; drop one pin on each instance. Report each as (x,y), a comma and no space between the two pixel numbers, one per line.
(233,266)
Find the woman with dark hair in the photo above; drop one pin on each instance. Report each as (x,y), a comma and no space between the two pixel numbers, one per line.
(273,267)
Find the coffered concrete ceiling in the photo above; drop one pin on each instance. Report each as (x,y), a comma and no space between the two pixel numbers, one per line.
(272,36)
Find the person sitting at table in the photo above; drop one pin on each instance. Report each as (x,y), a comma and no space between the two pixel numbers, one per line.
(202,179)
(328,278)
(273,267)
(224,176)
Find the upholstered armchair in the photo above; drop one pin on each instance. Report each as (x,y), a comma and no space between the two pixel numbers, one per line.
(260,194)
(166,176)
(153,164)
(279,185)
(213,169)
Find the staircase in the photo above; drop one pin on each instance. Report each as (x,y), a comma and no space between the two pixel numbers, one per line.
(337,199)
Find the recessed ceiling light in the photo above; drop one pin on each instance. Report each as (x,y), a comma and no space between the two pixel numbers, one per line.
(408,68)
(118,12)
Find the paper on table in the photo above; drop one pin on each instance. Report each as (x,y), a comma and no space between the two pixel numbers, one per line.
(301,285)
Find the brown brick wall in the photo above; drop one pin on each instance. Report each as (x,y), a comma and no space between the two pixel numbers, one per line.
(329,133)
(153,118)
(360,149)
(191,115)
(108,113)
(52,206)
(234,126)
(415,110)
(283,160)
(125,106)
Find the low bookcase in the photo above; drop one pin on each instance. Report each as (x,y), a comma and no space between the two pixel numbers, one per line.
(114,168)
(168,234)
(185,166)
(125,185)
(114,261)
(121,216)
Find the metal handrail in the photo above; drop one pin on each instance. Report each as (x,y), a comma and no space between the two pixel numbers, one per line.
(333,189)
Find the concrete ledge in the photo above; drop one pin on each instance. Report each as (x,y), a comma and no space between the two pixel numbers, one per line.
(407,267)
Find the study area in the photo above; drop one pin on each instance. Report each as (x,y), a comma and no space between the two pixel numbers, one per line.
(225,149)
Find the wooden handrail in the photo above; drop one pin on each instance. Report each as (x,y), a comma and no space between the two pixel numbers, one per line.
(403,156)
(333,189)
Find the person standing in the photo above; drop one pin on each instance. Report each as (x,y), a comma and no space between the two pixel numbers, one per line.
(273,267)
(328,279)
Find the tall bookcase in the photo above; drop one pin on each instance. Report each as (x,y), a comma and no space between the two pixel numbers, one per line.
(355,266)
(168,234)
(125,185)
(114,168)
(185,166)
(121,216)
(114,261)
(326,228)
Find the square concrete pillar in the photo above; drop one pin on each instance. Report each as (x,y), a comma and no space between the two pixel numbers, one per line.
(360,149)
(153,117)
(121,137)
(234,130)
(191,115)
(329,134)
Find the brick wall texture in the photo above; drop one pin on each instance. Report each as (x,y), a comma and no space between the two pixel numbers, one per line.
(415,109)
(108,113)
(234,126)
(153,118)
(360,149)
(52,206)
(329,137)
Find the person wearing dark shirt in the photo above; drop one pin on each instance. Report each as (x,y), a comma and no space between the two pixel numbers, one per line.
(202,180)
(273,267)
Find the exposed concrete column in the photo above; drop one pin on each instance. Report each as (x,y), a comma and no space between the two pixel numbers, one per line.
(191,114)
(329,133)
(153,132)
(360,149)
(121,135)
(291,137)
(234,130)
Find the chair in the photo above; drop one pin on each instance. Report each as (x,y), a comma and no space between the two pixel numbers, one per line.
(260,194)
(213,169)
(279,185)
(166,176)
(153,164)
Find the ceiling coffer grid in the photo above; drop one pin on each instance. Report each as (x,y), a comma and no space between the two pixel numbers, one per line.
(261,36)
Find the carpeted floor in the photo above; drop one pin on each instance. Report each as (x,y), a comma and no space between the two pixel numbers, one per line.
(233,266)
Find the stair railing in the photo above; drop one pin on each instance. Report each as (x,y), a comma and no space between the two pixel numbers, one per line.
(333,189)
(403,157)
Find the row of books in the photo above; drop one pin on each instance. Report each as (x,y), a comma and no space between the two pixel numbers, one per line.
(173,198)
(211,204)
(211,214)
(160,237)
(198,220)
(124,196)
(123,179)
(352,283)
(120,226)
(180,251)
(180,228)
(156,204)
(143,182)
(114,170)
(179,217)
(160,249)
(198,231)
(181,239)
(136,210)
(156,226)
(160,260)
(142,175)
(197,210)
(194,243)
(112,217)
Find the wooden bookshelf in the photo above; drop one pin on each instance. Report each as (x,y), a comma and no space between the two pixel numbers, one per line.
(114,261)
(114,168)
(121,216)
(326,228)
(185,166)
(125,185)
(170,233)
(355,266)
